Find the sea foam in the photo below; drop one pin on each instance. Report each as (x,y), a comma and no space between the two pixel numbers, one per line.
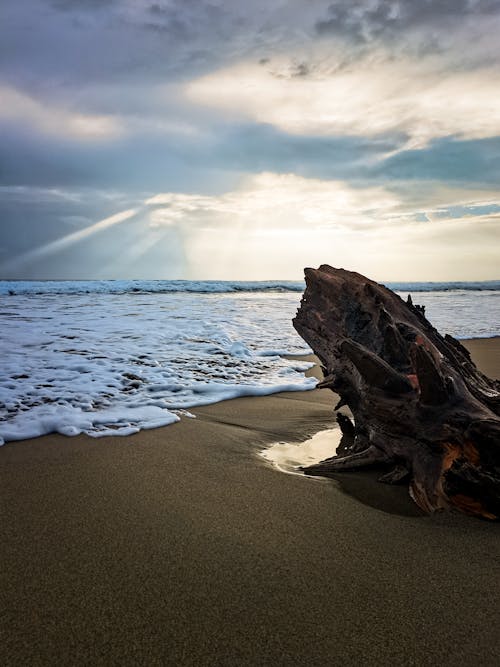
(106,361)
(114,363)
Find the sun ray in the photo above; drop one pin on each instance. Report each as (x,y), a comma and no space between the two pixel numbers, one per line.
(70,239)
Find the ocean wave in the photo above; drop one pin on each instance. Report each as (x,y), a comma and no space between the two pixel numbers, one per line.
(36,287)
(145,286)
(472,286)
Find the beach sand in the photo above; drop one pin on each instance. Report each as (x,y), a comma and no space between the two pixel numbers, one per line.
(182,546)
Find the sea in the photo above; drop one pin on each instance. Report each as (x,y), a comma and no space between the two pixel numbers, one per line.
(116,357)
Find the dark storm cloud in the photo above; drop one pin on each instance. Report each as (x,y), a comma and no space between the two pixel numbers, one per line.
(61,45)
(365,20)
(191,29)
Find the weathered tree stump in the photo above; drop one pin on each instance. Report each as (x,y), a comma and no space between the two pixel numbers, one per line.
(418,401)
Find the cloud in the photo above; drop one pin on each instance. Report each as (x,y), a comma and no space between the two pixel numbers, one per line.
(270,203)
(376,97)
(17,107)
(270,226)
(79,5)
(32,217)
(367,20)
(74,42)
(22,194)
(270,125)
(64,242)
(473,163)
(188,20)
(279,201)
(273,225)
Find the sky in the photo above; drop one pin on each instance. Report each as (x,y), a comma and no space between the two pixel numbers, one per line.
(217,139)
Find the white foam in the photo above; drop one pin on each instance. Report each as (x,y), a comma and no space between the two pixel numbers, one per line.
(73,420)
(106,363)
(119,361)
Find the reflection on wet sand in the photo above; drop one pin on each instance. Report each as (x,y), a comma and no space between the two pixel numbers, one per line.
(290,457)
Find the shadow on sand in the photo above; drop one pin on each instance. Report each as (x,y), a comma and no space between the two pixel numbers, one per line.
(365,487)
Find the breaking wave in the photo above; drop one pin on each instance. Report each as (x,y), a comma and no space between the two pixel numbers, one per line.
(17,287)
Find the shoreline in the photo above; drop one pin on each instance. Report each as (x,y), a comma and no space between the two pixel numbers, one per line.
(181,545)
(486,356)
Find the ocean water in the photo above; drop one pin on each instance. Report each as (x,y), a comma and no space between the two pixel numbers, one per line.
(115,357)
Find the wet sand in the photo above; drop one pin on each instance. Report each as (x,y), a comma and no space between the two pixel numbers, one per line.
(182,546)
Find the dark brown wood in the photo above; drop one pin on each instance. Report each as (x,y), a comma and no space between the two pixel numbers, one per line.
(418,402)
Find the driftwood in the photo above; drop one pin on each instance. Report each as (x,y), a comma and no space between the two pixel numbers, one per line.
(420,406)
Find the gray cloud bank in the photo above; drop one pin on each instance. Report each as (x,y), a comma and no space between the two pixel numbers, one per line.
(365,20)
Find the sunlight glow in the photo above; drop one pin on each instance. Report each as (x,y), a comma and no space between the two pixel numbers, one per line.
(369,100)
(273,225)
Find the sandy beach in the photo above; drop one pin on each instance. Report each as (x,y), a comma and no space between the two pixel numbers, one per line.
(182,546)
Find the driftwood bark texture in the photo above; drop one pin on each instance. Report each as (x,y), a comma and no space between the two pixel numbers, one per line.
(420,405)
